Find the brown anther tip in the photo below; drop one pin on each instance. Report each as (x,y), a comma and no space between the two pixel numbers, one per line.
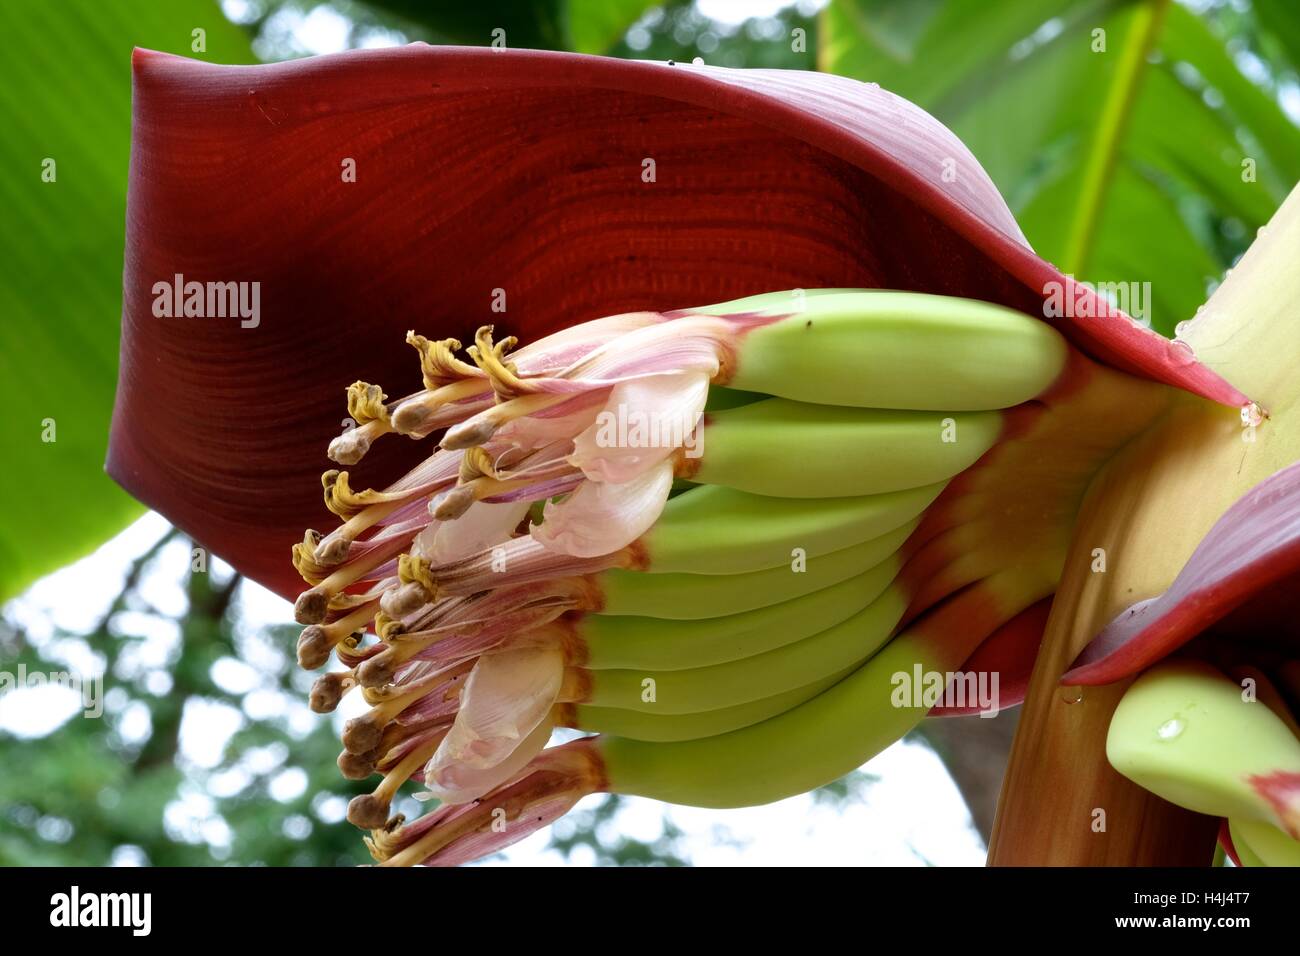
(467,435)
(349,448)
(311,607)
(314,647)
(332,551)
(361,734)
(357,766)
(377,671)
(401,601)
(410,417)
(453,504)
(329,690)
(368,812)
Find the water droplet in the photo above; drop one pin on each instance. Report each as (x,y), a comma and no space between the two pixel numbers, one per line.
(1170,729)
(1182,328)
(698,61)
(1182,352)
(1261,230)
(1072,695)
(1251,414)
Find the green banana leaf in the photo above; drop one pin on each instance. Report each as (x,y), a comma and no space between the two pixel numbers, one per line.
(583,26)
(65,93)
(1122,165)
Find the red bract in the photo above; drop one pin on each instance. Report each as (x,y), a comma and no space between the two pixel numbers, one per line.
(578,186)
(1252,554)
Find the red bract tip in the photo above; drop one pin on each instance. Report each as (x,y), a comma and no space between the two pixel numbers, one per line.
(1252,549)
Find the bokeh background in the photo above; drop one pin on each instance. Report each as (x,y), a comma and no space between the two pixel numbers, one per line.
(1135,140)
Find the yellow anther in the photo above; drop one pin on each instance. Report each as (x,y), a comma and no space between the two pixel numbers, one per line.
(346,503)
(438,362)
(366,403)
(304,558)
(386,627)
(503,375)
(415,570)
(476,463)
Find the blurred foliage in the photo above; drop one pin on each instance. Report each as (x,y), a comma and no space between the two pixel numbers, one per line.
(100,790)
(1116,130)
(65,91)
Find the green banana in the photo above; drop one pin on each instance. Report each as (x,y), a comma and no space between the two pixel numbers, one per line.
(1262,844)
(1179,732)
(1245,853)
(650,643)
(797,450)
(803,748)
(684,596)
(829,735)
(882,349)
(715,530)
(751,678)
(669,728)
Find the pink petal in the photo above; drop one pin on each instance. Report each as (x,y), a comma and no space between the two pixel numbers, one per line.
(601,516)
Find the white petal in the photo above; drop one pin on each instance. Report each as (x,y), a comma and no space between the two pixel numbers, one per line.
(506,696)
(461,783)
(643,421)
(601,516)
(482,526)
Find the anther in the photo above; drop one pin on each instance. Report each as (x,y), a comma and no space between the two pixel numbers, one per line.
(311,606)
(328,690)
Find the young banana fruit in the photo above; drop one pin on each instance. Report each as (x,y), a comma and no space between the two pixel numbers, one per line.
(729,540)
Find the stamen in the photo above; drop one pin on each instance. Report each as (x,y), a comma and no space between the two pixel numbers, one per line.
(363,733)
(423,412)
(438,363)
(479,428)
(312,605)
(304,558)
(370,810)
(350,447)
(317,640)
(552,783)
(346,503)
(357,766)
(366,403)
(329,689)
(503,375)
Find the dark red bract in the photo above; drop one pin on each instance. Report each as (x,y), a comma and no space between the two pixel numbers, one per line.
(479,170)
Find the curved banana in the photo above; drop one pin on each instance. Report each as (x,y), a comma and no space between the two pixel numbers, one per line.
(799,450)
(1179,732)
(668,728)
(650,643)
(1262,844)
(715,530)
(684,596)
(750,678)
(881,349)
(834,732)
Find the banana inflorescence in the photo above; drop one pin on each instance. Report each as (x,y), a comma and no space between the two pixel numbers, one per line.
(724,540)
